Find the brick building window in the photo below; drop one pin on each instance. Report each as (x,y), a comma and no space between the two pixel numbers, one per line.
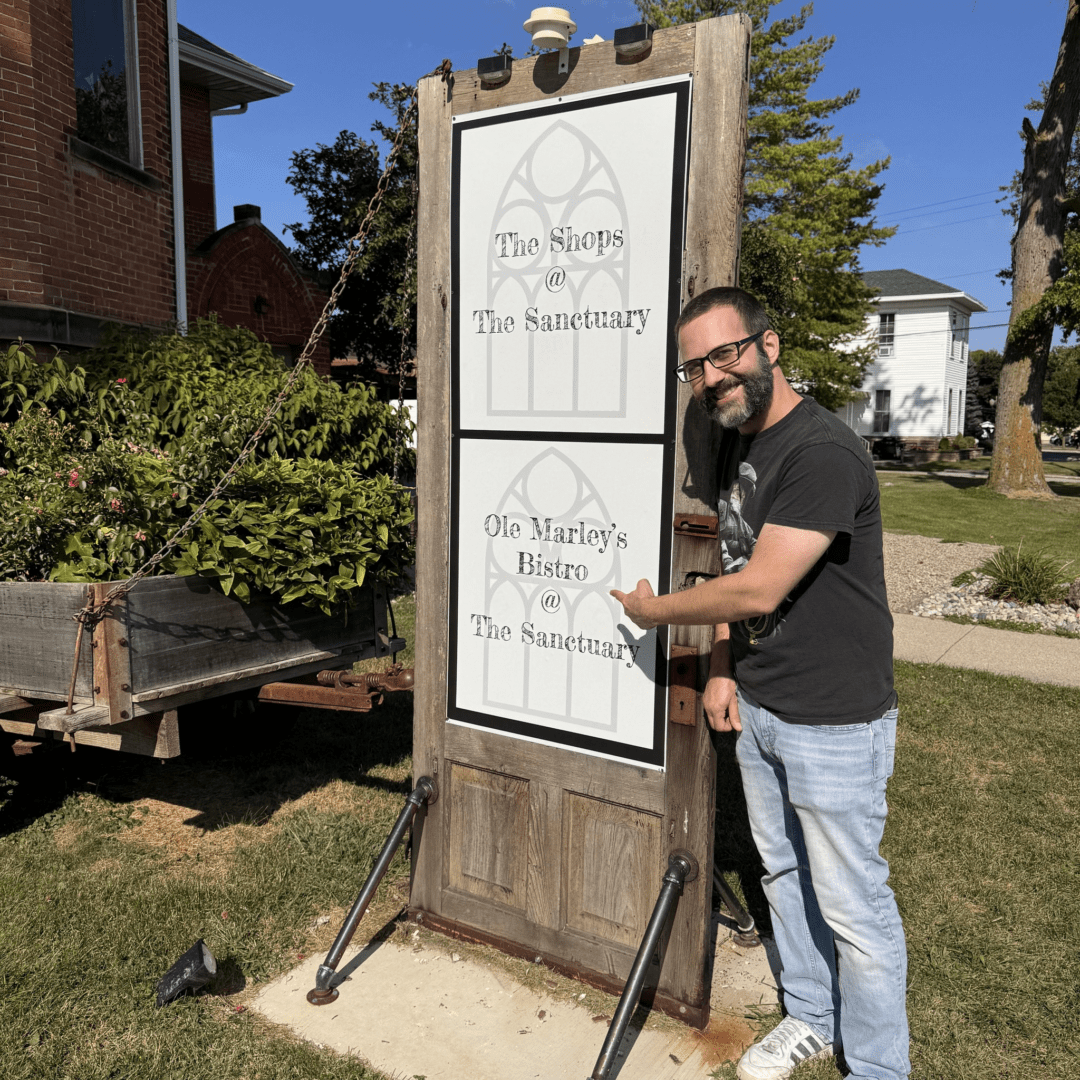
(105,46)
(882,411)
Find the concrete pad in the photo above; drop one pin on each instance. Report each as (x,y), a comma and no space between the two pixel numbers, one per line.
(925,641)
(413,1010)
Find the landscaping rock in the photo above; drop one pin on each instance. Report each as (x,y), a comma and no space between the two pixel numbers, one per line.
(1073,599)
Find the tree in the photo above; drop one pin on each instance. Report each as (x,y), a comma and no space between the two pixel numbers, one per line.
(801,191)
(1061,391)
(1044,294)
(337,183)
(984,367)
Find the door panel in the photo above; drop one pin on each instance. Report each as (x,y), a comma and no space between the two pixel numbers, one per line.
(613,864)
(488,836)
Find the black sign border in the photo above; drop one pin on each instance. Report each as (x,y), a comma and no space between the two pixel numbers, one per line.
(651,755)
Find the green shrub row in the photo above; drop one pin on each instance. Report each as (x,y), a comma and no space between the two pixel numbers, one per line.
(958,442)
(101,461)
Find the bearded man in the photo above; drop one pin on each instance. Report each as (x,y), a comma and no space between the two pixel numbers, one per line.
(801,669)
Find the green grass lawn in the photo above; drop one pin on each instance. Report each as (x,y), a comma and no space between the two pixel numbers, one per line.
(955,509)
(111,866)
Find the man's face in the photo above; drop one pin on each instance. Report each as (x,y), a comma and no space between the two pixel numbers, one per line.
(730,396)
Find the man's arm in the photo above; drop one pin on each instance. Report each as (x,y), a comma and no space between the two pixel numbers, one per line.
(782,557)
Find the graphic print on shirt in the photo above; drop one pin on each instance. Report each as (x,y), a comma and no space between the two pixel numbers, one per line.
(737,542)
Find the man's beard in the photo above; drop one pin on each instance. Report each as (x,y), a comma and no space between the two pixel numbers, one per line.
(757,395)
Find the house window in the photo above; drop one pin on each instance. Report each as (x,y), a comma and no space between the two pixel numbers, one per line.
(886,334)
(958,337)
(103,34)
(882,415)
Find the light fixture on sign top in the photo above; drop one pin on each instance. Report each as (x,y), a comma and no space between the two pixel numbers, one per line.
(634,40)
(494,69)
(551,27)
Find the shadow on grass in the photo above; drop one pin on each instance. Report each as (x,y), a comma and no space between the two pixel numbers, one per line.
(225,776)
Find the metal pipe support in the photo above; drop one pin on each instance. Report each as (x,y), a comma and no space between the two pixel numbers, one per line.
(747,934)
(682,867)
(323,993)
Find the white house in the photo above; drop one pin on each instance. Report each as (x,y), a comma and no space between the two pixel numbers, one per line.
(914,390)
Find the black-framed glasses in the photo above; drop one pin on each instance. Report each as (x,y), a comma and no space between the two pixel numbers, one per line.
(723,356)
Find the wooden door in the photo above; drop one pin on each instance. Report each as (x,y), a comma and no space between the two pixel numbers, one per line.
(554,847)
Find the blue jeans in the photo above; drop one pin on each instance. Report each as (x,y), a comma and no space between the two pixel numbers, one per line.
(816,796)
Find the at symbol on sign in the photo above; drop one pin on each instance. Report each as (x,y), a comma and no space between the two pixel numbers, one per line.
(556,279)
(551,601)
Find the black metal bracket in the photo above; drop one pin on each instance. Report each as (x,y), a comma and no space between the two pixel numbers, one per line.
(746,934)
(426,791)
(682,867)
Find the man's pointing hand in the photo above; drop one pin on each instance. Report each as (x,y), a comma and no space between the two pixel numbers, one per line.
(636,604)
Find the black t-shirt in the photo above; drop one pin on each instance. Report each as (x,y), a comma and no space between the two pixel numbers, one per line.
(825,655)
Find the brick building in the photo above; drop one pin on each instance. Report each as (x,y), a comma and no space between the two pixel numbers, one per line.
(106,160)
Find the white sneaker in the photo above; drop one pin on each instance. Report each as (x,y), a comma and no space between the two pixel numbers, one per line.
(789,1044)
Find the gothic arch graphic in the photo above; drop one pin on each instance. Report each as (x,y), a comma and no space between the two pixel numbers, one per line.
(536,200)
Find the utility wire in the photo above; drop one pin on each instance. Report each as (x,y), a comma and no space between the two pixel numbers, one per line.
(945,224)
(947,210)
(923,333)
(959,198)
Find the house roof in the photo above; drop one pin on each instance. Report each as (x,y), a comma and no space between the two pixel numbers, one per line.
(904,285)
(230,80)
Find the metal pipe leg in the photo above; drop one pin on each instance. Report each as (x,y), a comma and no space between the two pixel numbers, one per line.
(425,791)
(682,867)
(747,935)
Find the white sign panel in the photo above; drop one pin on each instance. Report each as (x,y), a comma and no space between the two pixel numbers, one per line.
(566,246)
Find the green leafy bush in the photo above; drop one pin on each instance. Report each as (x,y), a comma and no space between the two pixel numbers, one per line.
(965,442)
(1026,577)
(101,462)
(945,443)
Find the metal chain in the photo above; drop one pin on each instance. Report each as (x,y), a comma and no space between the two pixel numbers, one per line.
(92,613)
(403,318)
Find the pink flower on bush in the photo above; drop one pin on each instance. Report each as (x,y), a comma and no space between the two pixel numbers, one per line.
(140,535)
(121,381)
(114,504)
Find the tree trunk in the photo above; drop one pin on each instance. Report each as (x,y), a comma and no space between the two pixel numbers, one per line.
(1016,468)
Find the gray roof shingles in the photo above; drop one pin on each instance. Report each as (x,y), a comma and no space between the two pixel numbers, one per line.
(905,283)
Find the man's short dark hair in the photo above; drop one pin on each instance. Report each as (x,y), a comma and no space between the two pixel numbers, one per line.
(750,310)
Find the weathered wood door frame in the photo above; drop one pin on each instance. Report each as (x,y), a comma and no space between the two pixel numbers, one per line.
(682,798)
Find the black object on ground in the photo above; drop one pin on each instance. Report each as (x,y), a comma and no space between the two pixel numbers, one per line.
(426,791)
(682,867)
(191,972)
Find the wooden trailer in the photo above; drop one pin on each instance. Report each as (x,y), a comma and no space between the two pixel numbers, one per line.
(169,643)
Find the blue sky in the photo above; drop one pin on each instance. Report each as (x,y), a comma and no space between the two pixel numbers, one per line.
(943,85)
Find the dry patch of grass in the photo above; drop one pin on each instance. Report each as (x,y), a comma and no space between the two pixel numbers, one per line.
(204,838)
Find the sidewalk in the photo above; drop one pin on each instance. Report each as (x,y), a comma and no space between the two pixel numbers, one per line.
(974,474)
(1037,657)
